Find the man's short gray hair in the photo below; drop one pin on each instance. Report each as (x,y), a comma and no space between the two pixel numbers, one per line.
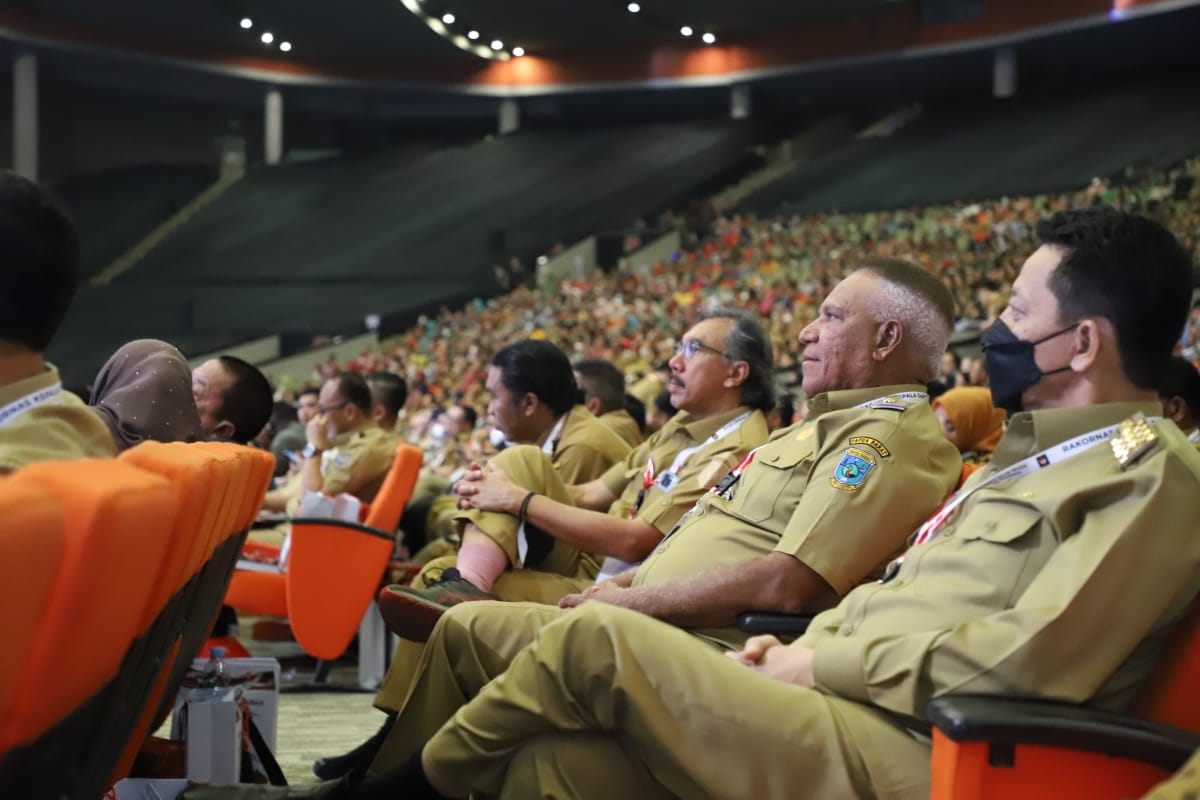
(919,301)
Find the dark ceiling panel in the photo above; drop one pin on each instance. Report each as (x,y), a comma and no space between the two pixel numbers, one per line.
(346,30)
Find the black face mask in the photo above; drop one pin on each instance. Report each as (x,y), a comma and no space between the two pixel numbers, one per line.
(1011,366)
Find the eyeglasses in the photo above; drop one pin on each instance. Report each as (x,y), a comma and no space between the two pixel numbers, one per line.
(690,347)
(334,407)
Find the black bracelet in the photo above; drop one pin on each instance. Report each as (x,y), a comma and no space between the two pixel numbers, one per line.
(524,512)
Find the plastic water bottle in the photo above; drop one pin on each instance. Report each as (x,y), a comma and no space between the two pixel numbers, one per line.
(214,678)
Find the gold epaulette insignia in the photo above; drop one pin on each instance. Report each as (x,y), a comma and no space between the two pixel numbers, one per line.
(1133,439)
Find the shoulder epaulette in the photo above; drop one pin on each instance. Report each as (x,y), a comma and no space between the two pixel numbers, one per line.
(888,404)
(1133,440)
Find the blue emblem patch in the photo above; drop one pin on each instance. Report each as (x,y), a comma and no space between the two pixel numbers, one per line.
(852,470)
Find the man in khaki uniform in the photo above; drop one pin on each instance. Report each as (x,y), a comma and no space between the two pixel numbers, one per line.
(1058,570)
(39,420)
(523,515)
(346,451)
(534,401)
(793,528)
(603,388)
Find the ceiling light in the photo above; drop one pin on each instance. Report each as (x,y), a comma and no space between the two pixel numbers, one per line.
(285,47)
(247,23)
(448,19)
(633,8)
(267,37)
(518,51)
(686,30)
(497,44)
(709,38)
(472,35)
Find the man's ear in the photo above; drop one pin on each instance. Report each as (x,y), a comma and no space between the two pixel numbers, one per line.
(1087,342)
(529,404)
(592,404)
(888,337)
(222,430)
(739,371)
(1174,409)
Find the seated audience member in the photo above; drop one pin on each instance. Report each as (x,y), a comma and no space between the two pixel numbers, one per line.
(659,412)
(1179,391)
(534,400)
(233,397)
(603,388)
(388,395)
(346,451)
(307,401)
(284,436)
(144,393)
(636,410)
(39,420)
(800,522)
(784,412)
(971,422)
(997,594)
(524,519)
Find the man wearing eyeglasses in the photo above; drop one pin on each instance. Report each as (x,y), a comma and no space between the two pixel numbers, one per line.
(346,450)
(520,516)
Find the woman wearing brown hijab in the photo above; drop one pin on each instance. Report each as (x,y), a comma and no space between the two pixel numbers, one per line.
(144,392)
(971,422)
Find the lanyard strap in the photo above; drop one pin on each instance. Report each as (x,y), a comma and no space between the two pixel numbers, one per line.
(667,480)
(1194,436)
(51,394)
(551,442)
(1051,455)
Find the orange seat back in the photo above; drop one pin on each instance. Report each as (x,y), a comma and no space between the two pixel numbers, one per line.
(116,523)
(396,490)
(31,547)
(1172,692)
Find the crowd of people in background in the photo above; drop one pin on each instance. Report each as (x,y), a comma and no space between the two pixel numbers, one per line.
(780,268)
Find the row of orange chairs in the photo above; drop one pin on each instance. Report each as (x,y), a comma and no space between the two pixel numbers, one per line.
(111,575)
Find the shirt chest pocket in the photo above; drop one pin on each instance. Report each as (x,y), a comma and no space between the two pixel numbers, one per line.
(775,479)
(999,521)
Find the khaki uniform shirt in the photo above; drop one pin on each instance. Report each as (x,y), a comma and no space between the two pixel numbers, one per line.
(662,508)
(585,448)
(1063,583)
(648,388)
(623,425)
(798,495)
(358,462)
(58,429)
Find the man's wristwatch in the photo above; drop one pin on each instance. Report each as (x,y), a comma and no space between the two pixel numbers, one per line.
(311,451)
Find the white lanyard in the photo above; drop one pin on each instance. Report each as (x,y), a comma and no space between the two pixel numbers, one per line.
(667,480)
(1194,436)
(1051,455)
(51,394)
(552,440)
(548,448)
(723,486)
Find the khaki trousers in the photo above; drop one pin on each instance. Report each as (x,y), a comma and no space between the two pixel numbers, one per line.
(610,703)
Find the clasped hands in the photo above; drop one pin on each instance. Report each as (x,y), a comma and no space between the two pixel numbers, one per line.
(486,487)
(771,657)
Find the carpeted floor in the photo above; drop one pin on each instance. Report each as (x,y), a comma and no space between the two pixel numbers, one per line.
(312,725)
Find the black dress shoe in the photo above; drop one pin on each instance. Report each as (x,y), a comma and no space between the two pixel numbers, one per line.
(328,769)
(327,790)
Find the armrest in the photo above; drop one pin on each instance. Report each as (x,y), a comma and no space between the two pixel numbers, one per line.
(337,523)
(1012,721)
(772,622)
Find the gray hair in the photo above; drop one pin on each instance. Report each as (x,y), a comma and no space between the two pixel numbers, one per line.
(919,301)
(746,341)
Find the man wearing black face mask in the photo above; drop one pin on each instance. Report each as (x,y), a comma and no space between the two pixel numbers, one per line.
(1057,571)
